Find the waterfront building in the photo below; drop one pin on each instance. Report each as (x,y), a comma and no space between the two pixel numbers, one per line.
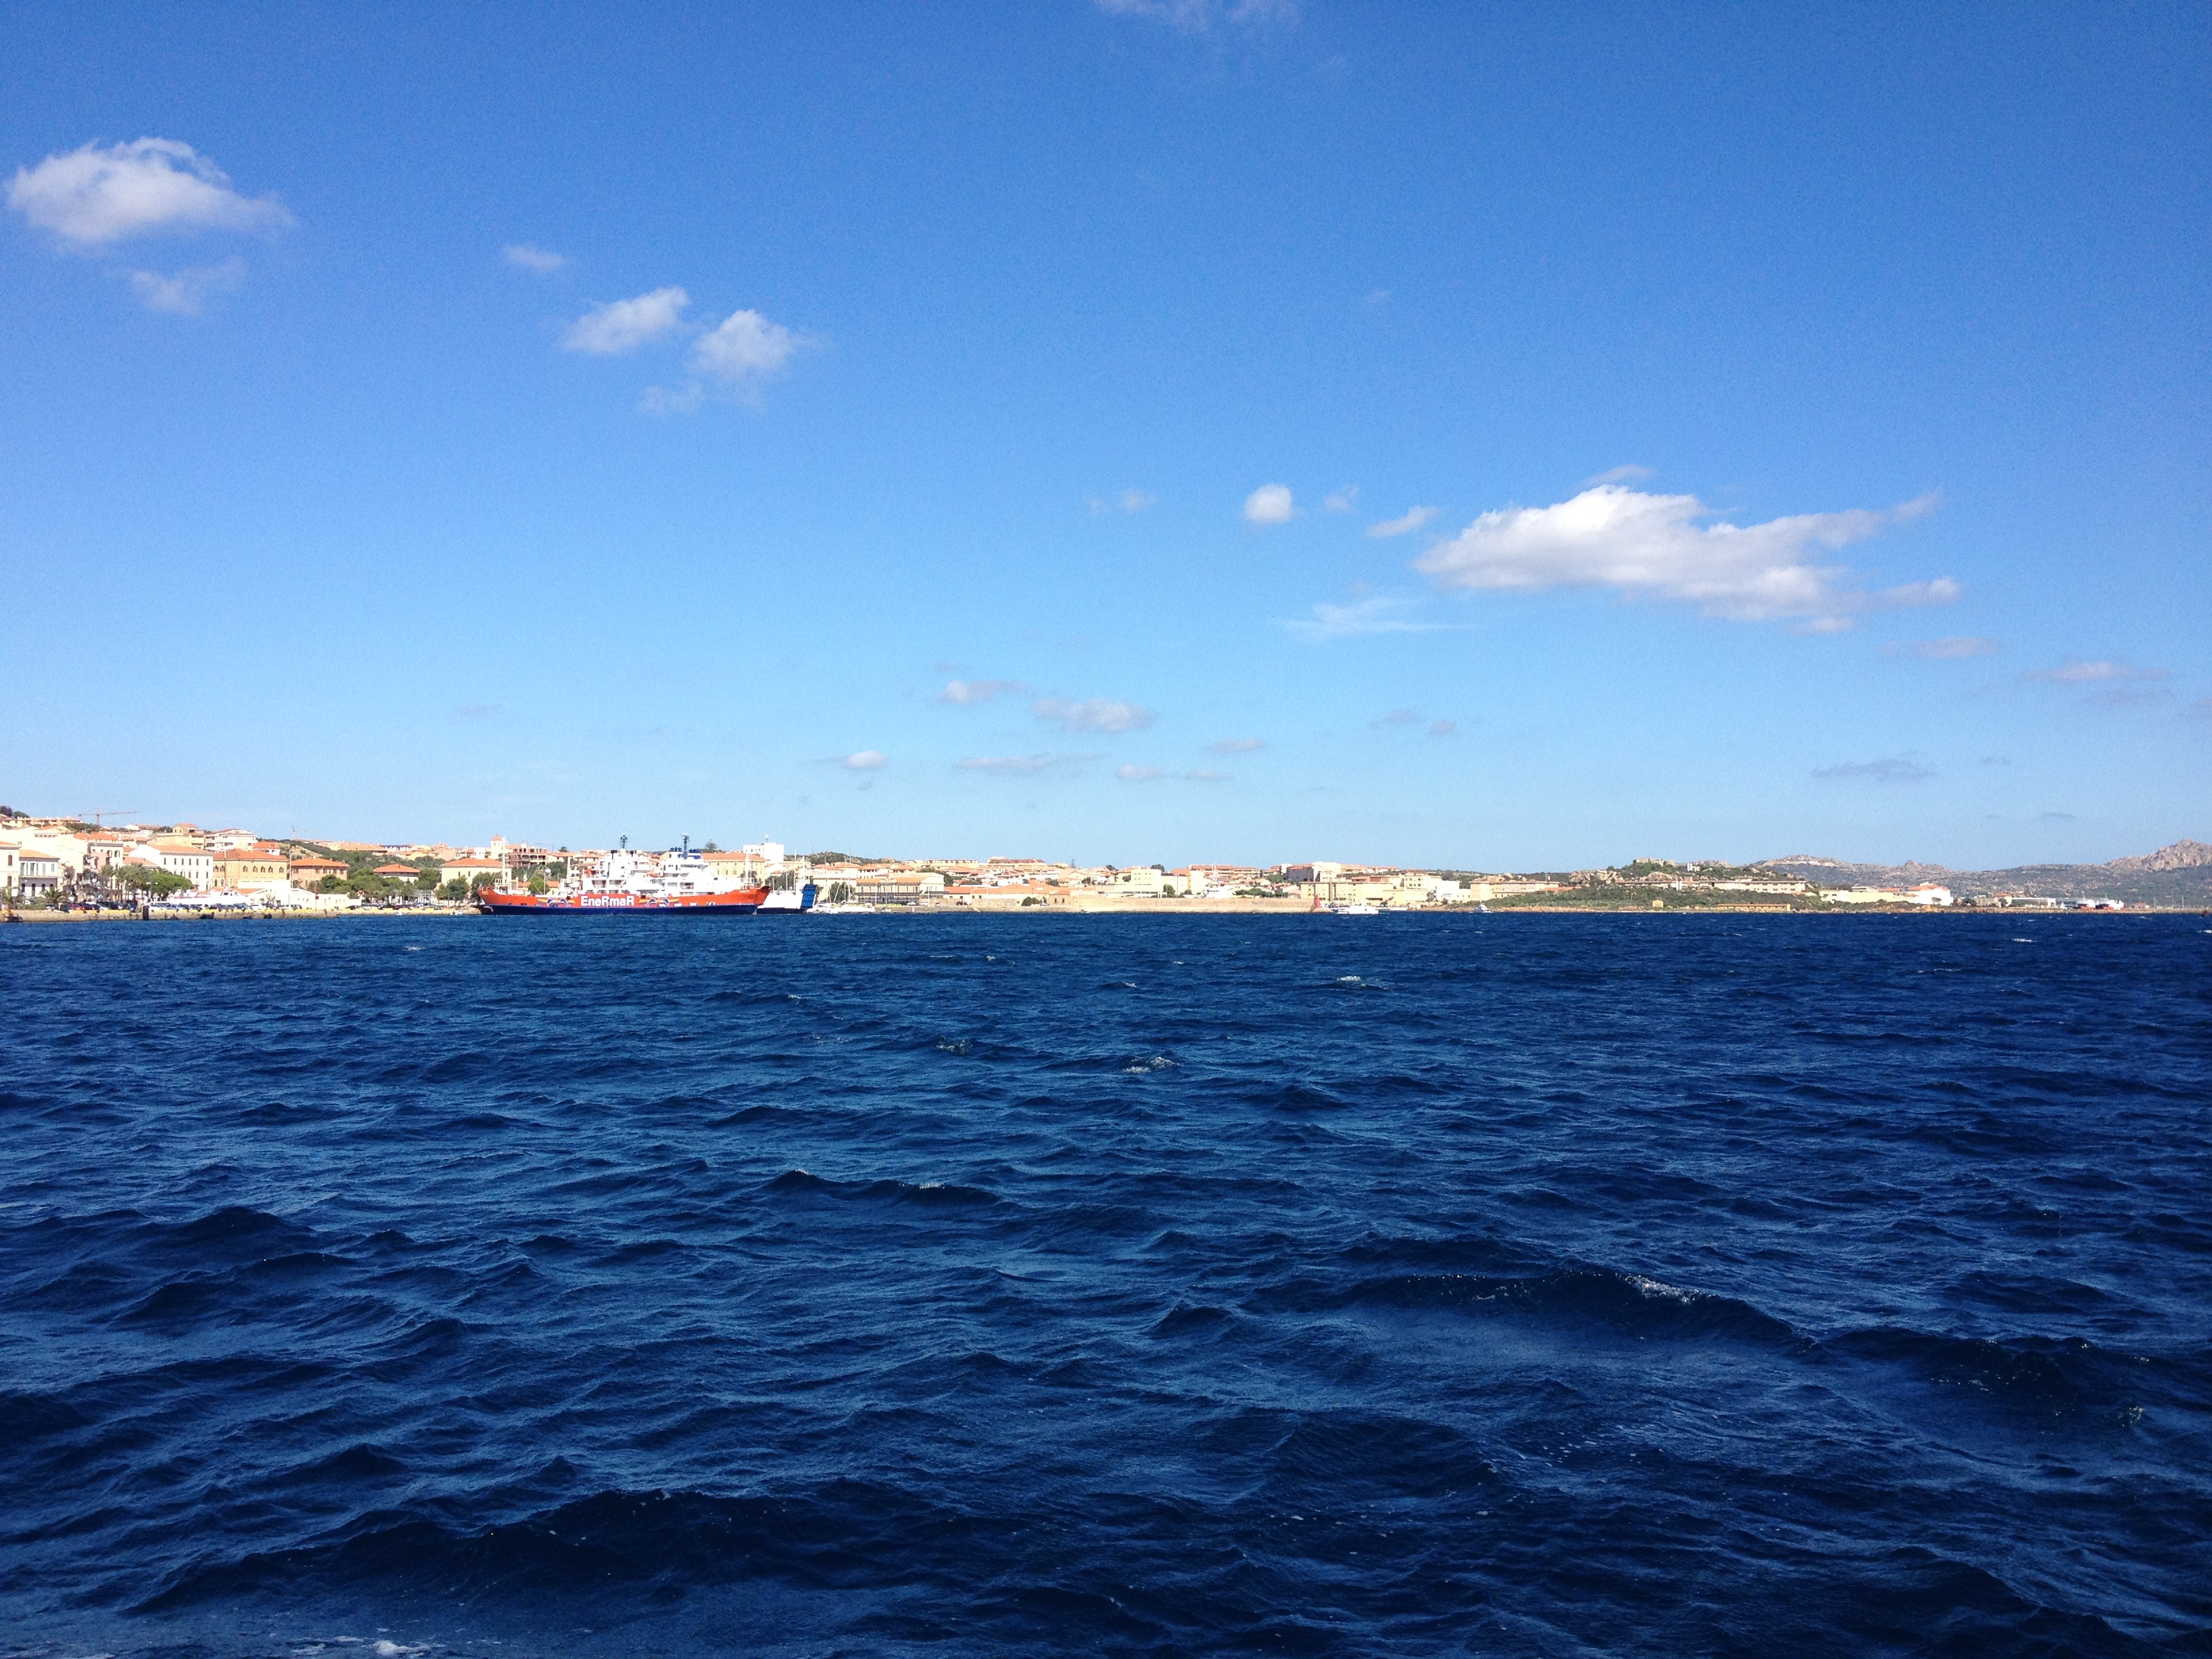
(254,865)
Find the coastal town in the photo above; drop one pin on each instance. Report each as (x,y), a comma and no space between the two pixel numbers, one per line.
(63,866)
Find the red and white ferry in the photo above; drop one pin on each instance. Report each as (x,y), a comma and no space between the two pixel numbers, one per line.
(677,881)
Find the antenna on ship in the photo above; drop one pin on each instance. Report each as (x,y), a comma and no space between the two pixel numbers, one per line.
(624,841)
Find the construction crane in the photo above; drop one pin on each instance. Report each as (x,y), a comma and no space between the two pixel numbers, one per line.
(104,813)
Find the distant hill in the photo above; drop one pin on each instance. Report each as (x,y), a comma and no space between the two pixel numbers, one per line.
(2180,875)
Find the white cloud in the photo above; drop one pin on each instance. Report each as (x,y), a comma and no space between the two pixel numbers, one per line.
(865,760)
(1413,520)
(1893,770)
(1092,713)
(1396,717)
(621,325)
(1197,16)
(1204,776)
(525,257)
(2076,672)
(185,293)
(100,194)
(1655,546)
(1947,649)
(1139,773)
(1340,501)
(743,346)
(1378,615)
(1269,504)
(1444,729)
(964,694)
(1234,745)
(1630,474)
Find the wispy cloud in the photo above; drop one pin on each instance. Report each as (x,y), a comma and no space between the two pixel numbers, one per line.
(865,760)
(1157,773)
(1659,547)
(1198,16)
(1020,766)
(103,193)
(1892,770)
(1234,745)
(524,255)
(1092,713)
(1340,501)
(1413,520)
(2076,672)
(1270,504)
(1950,648)
(623,326)
(1444,729)
(188,291)
(684,399)
(1630,474)
(966,694)
(1128,500)
(1396,717)
(1377,615)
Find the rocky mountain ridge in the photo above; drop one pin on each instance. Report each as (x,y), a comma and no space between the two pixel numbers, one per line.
(2180,874)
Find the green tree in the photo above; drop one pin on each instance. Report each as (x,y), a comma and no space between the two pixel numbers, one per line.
(146,878)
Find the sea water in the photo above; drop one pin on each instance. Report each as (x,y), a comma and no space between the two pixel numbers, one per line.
(1020,1285)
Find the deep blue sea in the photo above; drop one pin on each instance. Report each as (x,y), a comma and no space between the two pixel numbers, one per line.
(1543,1284)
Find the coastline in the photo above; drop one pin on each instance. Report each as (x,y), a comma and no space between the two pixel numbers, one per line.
(1172,907)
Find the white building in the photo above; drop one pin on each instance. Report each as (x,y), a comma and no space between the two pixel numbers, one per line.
(36,872)
(195,864)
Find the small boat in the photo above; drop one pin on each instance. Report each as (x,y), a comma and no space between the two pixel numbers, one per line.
(1353,910)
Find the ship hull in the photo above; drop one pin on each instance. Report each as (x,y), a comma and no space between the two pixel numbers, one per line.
(742,902)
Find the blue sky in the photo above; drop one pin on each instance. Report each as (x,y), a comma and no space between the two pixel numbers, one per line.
(975,430)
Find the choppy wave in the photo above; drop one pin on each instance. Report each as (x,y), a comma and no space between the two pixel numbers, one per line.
(992,1285)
